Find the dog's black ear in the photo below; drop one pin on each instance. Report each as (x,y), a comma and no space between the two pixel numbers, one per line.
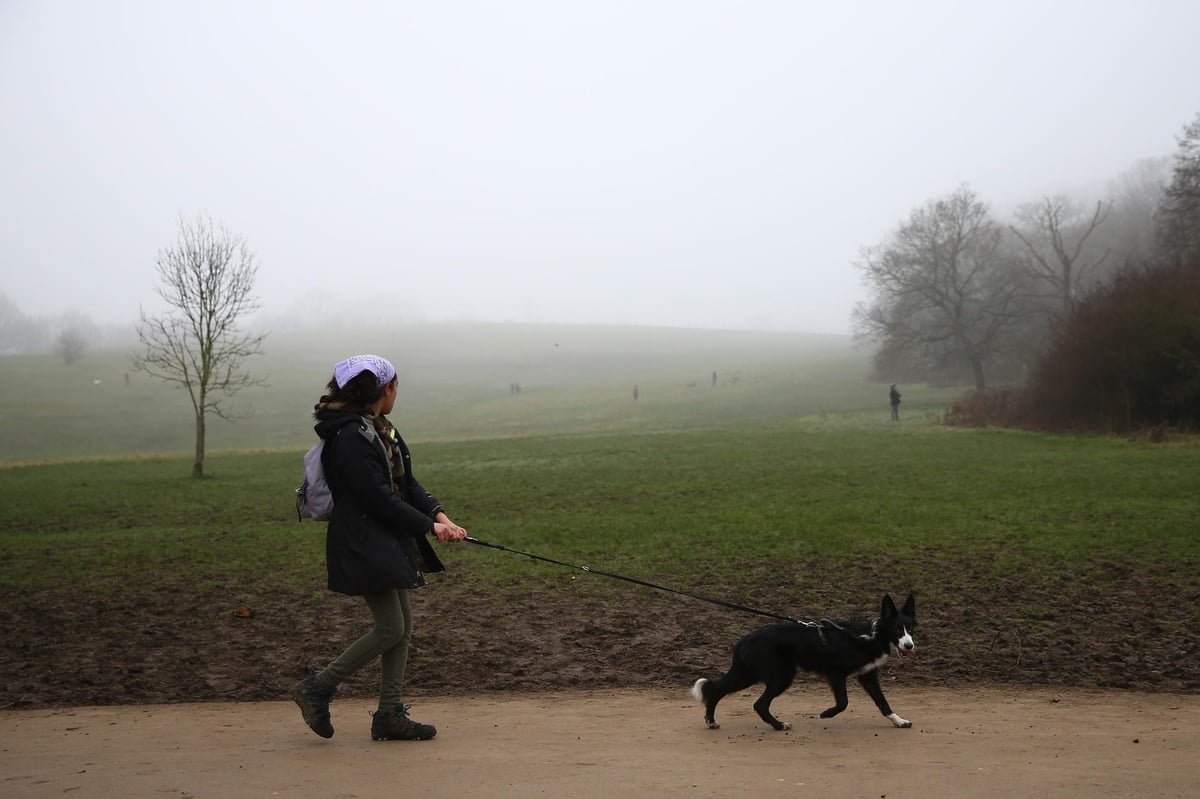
(888,609)
(910,607)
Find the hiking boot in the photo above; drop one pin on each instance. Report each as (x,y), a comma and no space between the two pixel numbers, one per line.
(313,699)
(394,724)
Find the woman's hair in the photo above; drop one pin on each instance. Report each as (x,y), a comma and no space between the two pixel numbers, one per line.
(359,393)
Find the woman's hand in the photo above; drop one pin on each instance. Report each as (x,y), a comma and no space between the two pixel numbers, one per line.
(446,530)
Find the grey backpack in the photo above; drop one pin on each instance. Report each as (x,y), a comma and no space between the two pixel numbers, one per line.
(314,500)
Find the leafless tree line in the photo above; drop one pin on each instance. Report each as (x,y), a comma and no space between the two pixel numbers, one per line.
(958,294)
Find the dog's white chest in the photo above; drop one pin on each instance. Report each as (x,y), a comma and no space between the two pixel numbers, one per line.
(874,664)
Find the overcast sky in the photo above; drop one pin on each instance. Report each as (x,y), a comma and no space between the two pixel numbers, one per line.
(688,163)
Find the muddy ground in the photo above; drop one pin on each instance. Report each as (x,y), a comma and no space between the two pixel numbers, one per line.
(1105,625)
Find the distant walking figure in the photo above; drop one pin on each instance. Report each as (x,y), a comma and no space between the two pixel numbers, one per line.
(714,379)
(894,397)
(635,393)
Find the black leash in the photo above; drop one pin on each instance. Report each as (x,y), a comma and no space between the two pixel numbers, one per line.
(589,570)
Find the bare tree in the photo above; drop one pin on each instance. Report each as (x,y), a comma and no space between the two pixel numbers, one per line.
(1055,233)
(207,279)
(76,332)
(70,344)
(944,286)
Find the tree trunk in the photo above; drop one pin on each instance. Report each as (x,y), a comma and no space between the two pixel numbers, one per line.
(977,368)
(198,463)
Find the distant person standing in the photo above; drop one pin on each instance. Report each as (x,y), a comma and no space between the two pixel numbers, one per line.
(635,393)
(894,398)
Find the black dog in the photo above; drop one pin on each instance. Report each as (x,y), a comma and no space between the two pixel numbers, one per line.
(835,650)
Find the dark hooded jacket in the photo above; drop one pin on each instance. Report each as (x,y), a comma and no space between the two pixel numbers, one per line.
(377,536)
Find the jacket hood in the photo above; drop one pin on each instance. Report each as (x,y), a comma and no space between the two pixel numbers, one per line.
(330,421)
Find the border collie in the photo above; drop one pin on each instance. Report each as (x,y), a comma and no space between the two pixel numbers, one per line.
(835,650)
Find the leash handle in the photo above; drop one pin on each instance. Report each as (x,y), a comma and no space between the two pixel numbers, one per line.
(635,581)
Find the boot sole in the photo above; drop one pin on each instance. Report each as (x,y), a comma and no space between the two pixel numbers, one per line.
(432,735)
(311,724)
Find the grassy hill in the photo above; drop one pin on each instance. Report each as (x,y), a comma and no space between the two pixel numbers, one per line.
(456,382)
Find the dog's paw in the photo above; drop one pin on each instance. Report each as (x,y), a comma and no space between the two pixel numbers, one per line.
(712,725)
(899,722)
(784,726)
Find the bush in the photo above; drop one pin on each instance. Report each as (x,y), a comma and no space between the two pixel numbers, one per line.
(1127,358)
(993,407)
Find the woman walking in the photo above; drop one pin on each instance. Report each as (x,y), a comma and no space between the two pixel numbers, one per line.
(377,544)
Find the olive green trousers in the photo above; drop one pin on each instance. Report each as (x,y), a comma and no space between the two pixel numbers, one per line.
(388,641)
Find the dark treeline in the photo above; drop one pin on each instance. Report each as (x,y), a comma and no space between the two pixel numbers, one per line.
(1081,315)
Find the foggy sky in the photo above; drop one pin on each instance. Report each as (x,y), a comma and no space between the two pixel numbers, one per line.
(689,163)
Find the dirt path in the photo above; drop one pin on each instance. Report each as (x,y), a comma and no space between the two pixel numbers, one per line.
(977,743)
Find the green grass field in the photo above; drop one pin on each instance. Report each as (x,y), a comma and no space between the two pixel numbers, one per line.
(791,454)
(671,505)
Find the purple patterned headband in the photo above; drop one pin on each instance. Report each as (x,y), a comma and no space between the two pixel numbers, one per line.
(347,370)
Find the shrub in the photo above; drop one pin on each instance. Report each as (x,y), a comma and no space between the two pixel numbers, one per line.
(1126,358)
(994,407)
